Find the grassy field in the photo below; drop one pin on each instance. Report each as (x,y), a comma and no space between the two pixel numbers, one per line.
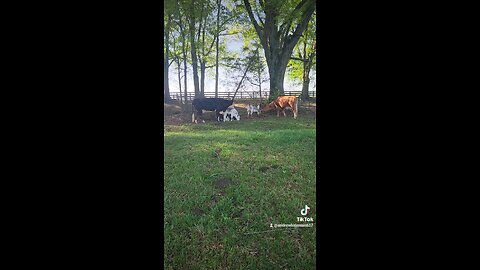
(218,210)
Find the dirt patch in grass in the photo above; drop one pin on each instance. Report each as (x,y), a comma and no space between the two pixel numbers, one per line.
(169,109)
(216,198)
(175,119)
(197,211)
(238,213)
(222,183)
(266,168)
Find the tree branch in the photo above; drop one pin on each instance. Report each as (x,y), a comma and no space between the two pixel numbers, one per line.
(227,20)
(211,46)
(262,4)
(288,23)
(229,34)
(258,28)
(291,40)
(299,59)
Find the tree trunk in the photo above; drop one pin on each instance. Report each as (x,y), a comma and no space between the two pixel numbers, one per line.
(202,79)
(180,80)
(194,51)
(166,89)
(305,87)
(216,46)
(306,81)
(260,84)
(276,70)
(185,72)
(184,53)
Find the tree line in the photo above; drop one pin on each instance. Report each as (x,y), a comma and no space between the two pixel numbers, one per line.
(278,35)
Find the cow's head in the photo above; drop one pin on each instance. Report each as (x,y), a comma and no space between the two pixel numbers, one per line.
(268,107)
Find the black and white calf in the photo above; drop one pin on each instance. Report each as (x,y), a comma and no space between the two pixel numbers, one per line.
(230,114)
(219,105)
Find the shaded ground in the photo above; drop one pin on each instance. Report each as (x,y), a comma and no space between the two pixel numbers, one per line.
(175,115)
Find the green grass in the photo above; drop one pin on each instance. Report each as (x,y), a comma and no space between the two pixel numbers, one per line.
(269,166)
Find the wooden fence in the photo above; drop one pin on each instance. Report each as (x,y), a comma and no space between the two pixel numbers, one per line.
(240,95)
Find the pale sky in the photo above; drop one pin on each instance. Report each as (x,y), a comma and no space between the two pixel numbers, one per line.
(224,78)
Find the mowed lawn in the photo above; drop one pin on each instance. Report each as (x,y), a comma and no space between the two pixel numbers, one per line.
(218,210)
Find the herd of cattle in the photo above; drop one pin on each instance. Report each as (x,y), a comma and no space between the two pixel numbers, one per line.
(225,110)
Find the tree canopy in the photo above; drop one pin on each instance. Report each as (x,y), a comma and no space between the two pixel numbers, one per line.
(280,32)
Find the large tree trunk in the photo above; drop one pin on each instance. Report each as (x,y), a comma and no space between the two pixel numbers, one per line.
(276,83)
(276,41)
(276,68)
(306,83)
(166,89)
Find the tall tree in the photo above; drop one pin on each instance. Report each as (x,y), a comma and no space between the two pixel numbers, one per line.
(181,16)
(205,28)
(217,40)
(226,14)
(166,87)
(191,16)
(304,57)
(257,75)
(176,55)
(279,25)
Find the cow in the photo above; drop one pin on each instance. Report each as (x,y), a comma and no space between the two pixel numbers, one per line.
(282,103)
(219,105)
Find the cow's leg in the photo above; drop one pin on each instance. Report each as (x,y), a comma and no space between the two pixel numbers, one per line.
(296,110)
(221,116)
(196,117)
(199,116)
(278,112)
(283,111)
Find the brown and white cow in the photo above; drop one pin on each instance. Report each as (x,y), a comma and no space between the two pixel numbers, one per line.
(282,103)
